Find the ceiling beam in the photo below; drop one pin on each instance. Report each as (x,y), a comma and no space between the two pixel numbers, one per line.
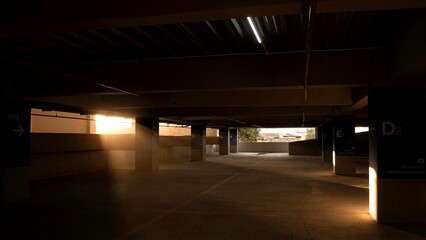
(58,16)
(118,45)
(244,111)
(327,6)
(407,53)
(245,72)
(254,98)
(152,39)
(218,36)
(335,69)
(142,48)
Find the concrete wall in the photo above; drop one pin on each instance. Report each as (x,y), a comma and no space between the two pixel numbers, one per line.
(174,148)
(313,147)
(59,122)
(54,154)
(120,151)
(361,144)
(185,131)
(308,148)
(270,147)
(63,154)
(120,159)
(174,131)
(65,143)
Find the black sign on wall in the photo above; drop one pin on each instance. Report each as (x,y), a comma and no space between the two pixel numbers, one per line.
(16,127)
(233,136)
(397,131)
(344,133)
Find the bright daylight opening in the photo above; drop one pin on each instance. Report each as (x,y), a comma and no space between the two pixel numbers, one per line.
(254,29)
(285,134)
(361,129)
(114,125)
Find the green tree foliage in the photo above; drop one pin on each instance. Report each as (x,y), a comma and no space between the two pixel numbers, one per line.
(248,134)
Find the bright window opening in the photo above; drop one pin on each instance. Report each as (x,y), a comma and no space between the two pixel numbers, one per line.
(361,129)
(114,125)
(275,134)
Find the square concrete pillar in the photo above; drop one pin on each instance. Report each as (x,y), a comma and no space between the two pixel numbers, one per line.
(15,136)
(147,145)
(327,141)
(223,141)
(233,140)
(344,159)
(198,143)
(397,148)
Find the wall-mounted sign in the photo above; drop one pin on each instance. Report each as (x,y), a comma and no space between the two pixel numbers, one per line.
(397,132)
(16,124)
(344,133)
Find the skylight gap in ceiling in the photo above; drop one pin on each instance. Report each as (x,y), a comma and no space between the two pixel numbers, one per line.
(250,20)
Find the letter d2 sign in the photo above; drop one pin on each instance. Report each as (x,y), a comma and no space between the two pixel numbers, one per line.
(390,129)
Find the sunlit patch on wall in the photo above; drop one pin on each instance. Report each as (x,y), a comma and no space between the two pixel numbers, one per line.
(114,125)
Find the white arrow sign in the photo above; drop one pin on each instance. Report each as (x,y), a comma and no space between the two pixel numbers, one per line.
(20,130)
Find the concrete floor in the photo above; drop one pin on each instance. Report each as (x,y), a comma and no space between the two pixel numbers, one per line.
(240,196)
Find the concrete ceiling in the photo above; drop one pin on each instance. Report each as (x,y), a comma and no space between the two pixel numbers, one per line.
(198,62)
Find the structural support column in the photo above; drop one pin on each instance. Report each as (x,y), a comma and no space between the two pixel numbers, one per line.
(223,141)
(344,160)
(198,143)
(15,136)
(147,145)
(233,140)
(327,141)
(397,154)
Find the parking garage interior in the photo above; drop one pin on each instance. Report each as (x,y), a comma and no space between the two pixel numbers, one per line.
(120,119)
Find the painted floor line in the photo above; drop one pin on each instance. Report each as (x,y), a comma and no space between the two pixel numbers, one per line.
(176,208)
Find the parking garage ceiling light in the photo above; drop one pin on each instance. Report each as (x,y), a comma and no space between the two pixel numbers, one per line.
(254,29)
